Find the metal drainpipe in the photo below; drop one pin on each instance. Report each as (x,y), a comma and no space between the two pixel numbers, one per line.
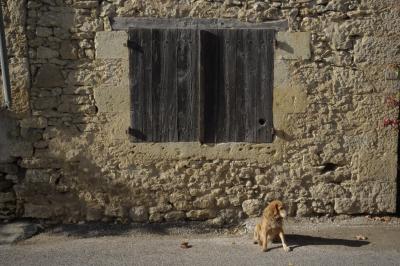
(4,63)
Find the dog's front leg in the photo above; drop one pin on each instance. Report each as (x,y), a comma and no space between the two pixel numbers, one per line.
(264,240)
(282,237)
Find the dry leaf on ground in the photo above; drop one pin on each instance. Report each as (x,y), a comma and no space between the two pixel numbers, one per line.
(185,245)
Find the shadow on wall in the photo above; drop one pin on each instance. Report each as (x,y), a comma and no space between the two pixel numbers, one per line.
(69,186)
(62,182)
(8,127)
(79,178)
(9,173)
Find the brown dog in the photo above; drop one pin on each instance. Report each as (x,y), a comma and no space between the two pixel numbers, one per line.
(271,225)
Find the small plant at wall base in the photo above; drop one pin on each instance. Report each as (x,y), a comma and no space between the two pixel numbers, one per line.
(391,122)
(393,101)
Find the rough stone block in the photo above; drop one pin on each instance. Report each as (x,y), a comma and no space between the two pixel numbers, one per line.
(182,205)
(46,103)
(112,99)
(139,214)
(222,202)
(7,197)
(49,76)
(44,52)
(43,31)
(376,167)
(290,96)
(38,176)
(68,50)
(303,209)
(376,50)
(8,168)
(85,77)
(31,134)
(5,185)
(174,216)
(39,145)
(8,126)
(86,4)
(93,26)
(34,122)
(116,211)
(12,178)
(346,205)
(204,202)
(94,213)
(252,207)
(21,149)
(20,84)
(61,33)
(281,73)
(111,44)
(37,211)
(160,208)
(39,163)
(293,45)
(64,18)
(201,214)
(156,217)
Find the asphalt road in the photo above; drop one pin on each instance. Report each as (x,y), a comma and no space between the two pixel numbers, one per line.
(311,245)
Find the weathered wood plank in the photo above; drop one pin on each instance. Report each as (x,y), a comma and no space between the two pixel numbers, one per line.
(185,114)
(194,86)
(146,98)
(229,75)
(260,79)
(157,49)
(209,84)
(269,81)
(168,104)
(136,71)
(166,98)
(126,23)
(261,90)
(202,78)
(220,93)
(240,87)
(249,75)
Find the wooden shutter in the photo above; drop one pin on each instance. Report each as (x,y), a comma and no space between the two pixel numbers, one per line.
(164,84)
(236,85)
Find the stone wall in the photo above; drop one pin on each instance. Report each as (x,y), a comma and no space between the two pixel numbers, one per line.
(65,154)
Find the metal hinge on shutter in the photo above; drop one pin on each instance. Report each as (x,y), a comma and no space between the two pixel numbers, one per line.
(136,134)
(135,46)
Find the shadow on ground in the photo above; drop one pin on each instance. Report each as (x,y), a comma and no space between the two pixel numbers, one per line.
(13,232)
(106,229)
(295,241)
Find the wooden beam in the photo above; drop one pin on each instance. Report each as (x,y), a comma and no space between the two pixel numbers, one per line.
(125,23)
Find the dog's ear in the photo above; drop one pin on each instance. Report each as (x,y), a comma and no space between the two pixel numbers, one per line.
(276,209)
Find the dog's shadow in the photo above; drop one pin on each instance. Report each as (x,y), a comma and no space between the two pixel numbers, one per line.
(295,241)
